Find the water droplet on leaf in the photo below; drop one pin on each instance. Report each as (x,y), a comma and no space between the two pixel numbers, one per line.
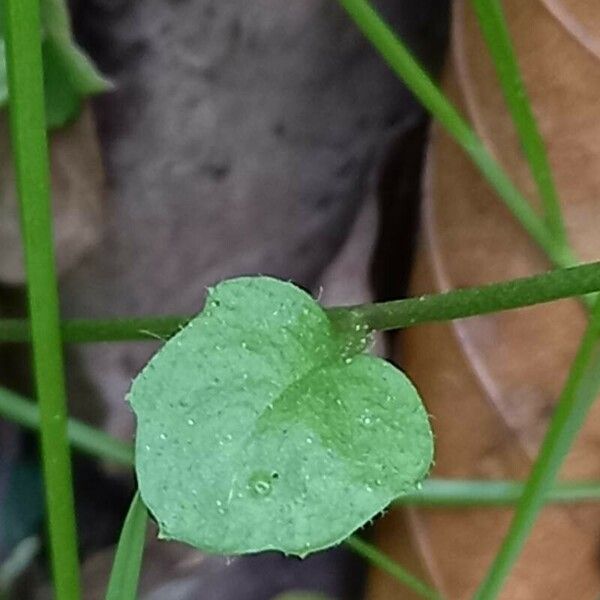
(261,484)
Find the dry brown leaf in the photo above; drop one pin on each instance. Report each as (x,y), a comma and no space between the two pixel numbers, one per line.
(491,382)
(77,188)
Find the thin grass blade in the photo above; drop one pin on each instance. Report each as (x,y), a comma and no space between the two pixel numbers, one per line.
(22,30)
(580,391)
(400,60)
(84,438)
(398,572)
(497,36)
(125,573)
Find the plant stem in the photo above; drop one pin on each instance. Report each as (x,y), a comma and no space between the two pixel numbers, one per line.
(456,493)
(468,302)
(30,155)
(78,331)
(374,556)
(86,439)
(125,573)
(456,304)
(497,36)
(400,60)
(580,391)
(584,378)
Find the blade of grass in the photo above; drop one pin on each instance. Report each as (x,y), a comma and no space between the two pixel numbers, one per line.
(435,492)
(86,439)
(583,383)
(400,60)
(125,573)
(19,559)
(374,556)
(456,304)
(580,391)
(497,36)
(30,155)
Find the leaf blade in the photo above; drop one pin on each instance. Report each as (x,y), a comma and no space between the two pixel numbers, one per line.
(125,573)
(69,74)
(259,417)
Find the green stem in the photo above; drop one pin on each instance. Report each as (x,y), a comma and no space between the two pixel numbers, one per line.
(583,381)
(78,331)
(125,573)
(497,36)
(467,302)
(456,304)
(391,567)
(456,493)
(579,393)
(86,439)
(400,60)
(30,156)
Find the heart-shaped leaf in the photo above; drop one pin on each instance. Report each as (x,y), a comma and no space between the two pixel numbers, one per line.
(262,426)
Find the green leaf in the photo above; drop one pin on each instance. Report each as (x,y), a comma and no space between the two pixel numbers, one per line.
(261,426)
(63,102)
(69,75)
(125,573)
